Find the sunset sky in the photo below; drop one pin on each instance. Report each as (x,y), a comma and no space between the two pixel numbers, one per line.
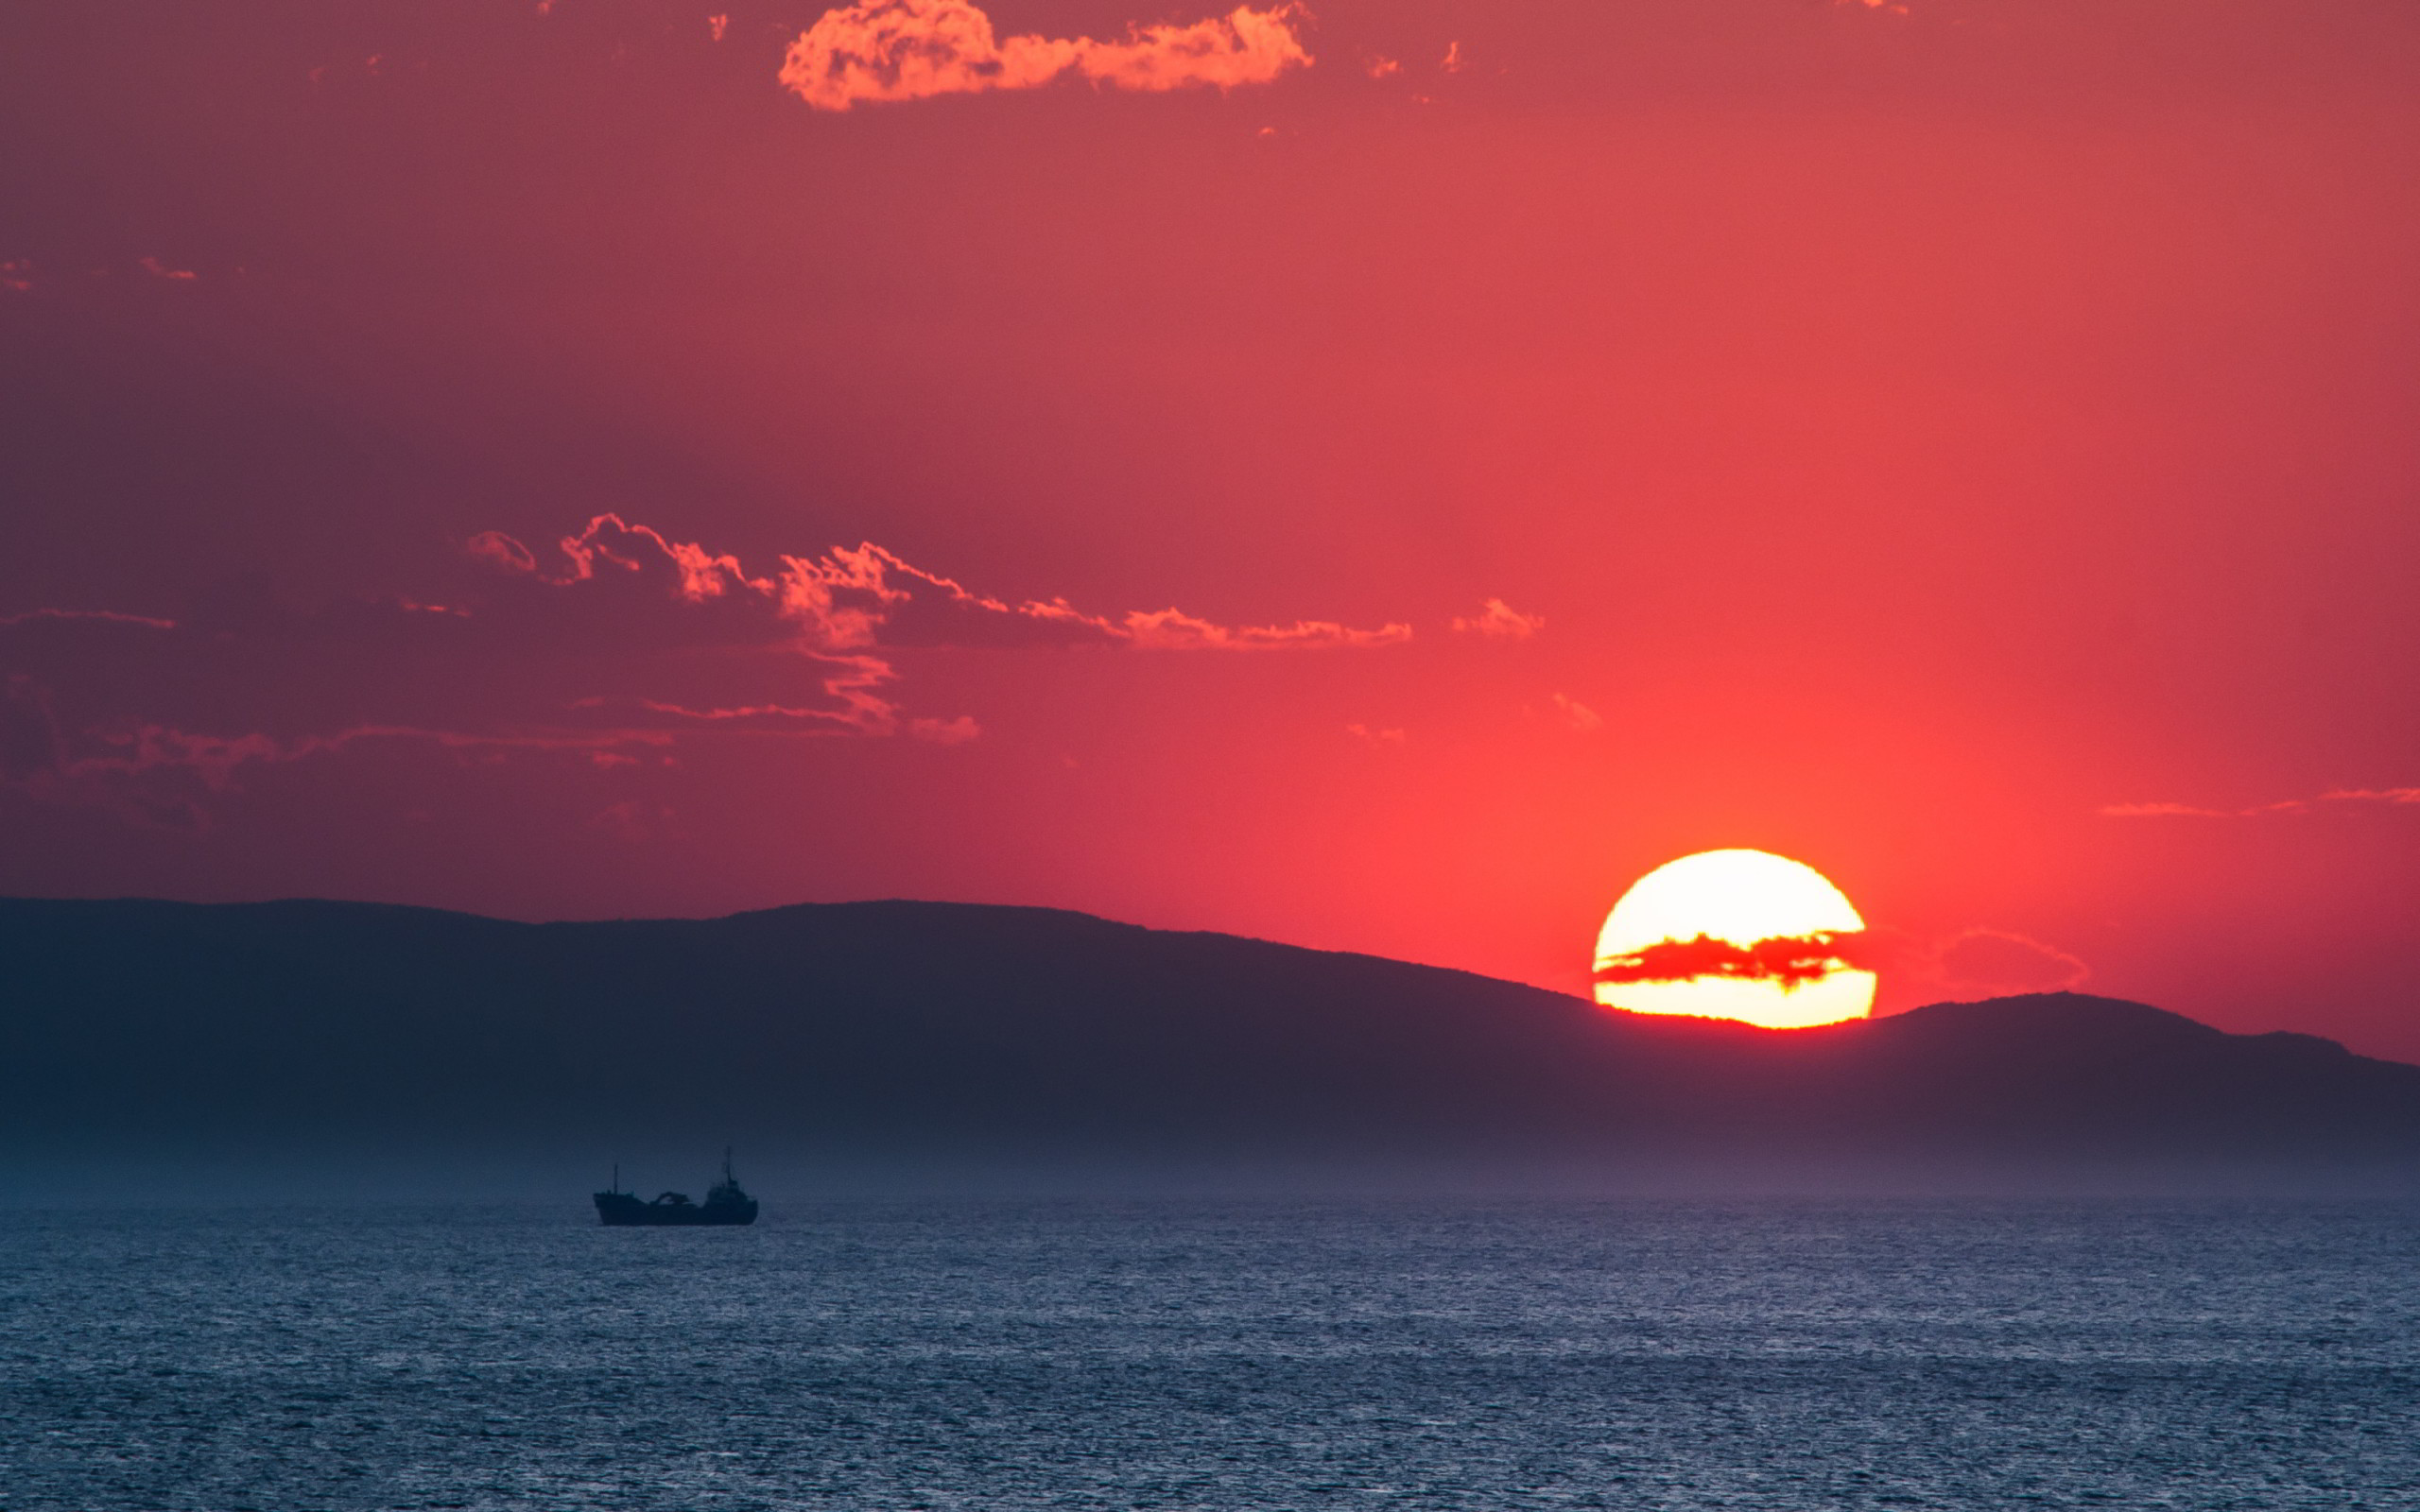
(1380,476)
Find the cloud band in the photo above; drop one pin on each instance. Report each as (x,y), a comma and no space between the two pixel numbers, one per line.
(1793,960)
(915,49)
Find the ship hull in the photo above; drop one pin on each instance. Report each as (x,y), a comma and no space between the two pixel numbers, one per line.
(619,1209)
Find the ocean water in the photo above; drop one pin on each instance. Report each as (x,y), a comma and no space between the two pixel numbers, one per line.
(1634,1355)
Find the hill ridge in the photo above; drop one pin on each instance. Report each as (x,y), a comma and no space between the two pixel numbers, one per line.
(898,1024)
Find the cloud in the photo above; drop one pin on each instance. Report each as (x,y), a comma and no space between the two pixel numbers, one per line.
(1972,963)
(1375,737)
(1793,960)
(955,731)
(915,49)
(2398,796)
(1500,621)
(1579,715)
(16,275)
(2388,797)
(636,823)
(1979,961)
(1999,962)
(162,775)
(1168,630)
(616,638)
(2149,811)
(105,616)
(162,272)
(868,597)
(495,547)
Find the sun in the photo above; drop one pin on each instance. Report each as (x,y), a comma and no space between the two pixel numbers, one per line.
(1736,934)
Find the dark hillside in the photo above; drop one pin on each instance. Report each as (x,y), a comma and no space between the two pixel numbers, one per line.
(952,1027)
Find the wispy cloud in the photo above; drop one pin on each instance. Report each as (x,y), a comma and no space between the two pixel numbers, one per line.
(71,616)
(162,774)
(2390,797)
(1579,715)
(1997,962)
(636,822)
(1170,629)
(1499,621)
(915,49)
(955,731)
(868,597)
(615,636)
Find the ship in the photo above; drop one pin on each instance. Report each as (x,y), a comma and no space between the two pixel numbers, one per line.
(725,1204)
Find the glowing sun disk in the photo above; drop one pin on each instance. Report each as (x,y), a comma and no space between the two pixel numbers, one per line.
(1737,897)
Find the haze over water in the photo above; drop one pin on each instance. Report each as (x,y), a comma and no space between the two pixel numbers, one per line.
(1780,1355)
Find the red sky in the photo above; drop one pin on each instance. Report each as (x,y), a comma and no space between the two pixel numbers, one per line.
(1912,439)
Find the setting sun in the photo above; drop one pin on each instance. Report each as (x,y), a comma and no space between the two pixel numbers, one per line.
(1734,935)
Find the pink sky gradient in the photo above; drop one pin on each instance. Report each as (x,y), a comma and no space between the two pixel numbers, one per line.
(1965,445)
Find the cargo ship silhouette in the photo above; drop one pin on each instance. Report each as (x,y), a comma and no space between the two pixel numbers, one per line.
(725,1204)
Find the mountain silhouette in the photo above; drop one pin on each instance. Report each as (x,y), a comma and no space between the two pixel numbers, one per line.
(963,1030)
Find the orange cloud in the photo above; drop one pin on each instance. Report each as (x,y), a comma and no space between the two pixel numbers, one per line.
(915,49)
(1168,630)
(850,599)
(1498,620)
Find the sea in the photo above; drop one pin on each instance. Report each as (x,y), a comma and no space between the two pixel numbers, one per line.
(1800,1354)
